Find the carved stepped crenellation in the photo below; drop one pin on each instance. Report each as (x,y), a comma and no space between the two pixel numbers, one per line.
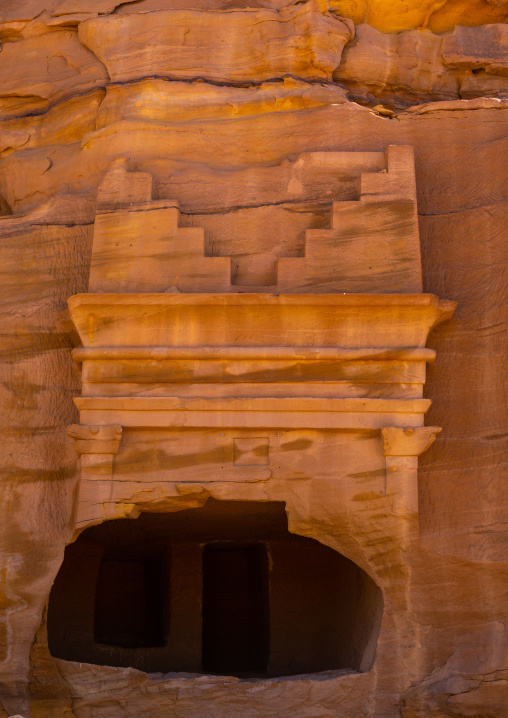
(373,244)
(139,246)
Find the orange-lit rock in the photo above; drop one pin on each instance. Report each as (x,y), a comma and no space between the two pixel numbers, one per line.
(162,101)
(439,15)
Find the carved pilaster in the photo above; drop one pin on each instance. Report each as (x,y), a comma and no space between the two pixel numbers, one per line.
(97,446)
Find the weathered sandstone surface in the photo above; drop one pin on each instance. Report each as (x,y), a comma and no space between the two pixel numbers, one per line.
(239,46)
(252,121)
(417,65)
(37,72)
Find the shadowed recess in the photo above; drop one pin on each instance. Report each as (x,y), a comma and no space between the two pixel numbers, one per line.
(222,589)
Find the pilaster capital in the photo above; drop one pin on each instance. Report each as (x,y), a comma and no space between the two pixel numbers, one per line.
(411,441)
(95,439)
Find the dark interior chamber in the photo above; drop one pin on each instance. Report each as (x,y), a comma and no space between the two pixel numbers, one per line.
(235,608)
(130,600)
(222,589)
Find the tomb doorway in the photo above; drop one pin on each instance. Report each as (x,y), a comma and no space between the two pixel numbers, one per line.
(222,589)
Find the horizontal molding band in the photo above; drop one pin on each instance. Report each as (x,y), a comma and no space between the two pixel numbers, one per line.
(270,405)
(256,300)
(259,420)
(306,353)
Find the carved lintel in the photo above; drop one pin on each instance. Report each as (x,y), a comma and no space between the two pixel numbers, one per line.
(411,441)
(95,439)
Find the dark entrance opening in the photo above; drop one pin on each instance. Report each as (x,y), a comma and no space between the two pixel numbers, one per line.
(130,602)
(235,609)
(222,589)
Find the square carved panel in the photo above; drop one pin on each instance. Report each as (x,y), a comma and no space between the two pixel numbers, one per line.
(250,451)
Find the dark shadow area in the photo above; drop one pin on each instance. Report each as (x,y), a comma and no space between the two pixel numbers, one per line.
(223,589)
(235,609)
(130,602)
(5,209)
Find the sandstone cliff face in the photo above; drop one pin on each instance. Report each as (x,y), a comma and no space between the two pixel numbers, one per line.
(220,104)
